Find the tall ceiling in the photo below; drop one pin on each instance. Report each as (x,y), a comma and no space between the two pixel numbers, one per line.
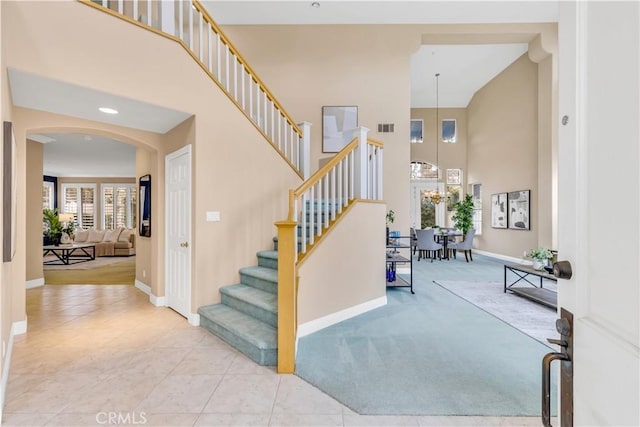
(463,69)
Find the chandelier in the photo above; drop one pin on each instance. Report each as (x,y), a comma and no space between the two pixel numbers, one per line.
(434,195)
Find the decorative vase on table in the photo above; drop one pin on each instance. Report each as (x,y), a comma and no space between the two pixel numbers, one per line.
(538,264)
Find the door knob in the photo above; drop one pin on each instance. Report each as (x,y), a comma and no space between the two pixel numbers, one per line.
(562,270)
(184,244)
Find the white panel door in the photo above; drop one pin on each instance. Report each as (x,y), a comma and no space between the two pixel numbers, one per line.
(599,199)
(178,230)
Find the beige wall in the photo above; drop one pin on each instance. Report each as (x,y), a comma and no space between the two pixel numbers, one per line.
(235,170)
(344,271)
(308,67)
(503,150)
(34,210)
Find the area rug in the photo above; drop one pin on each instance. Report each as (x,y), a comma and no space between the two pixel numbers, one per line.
(432,353)
(535,320)
(121,273)
(85,265)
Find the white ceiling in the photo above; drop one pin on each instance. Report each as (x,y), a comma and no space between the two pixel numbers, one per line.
(80,155)
(463,70)
(45,94)
(243,12)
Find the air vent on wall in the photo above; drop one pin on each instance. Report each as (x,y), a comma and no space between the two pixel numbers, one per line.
(385,127)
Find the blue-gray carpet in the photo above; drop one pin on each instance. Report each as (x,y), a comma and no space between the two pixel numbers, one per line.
(432,353)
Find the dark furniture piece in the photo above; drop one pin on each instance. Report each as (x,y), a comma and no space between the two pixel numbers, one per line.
(66,253)
(533,292)
(395,257)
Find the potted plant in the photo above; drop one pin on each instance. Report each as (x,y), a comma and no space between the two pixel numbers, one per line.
(539,257)
(391,216)
(463,216)
(53,228)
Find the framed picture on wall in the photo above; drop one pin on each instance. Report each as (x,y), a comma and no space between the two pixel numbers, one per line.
(144,217)
(337,122)
(9,187)
(519,210)
(499,212)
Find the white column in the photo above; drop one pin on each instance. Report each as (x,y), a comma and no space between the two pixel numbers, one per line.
(304,150)
(362,160)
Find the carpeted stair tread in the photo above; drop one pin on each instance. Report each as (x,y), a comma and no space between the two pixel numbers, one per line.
(254,338)
(268,254)
(260,277)
(268,259)
(261,272)
(257,297)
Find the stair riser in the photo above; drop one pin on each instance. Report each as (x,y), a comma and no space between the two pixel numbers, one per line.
(268,262)
(259,313)
(264,285)
(265,357)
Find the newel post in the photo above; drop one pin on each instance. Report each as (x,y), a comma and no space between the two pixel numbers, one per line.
(305,150)
(361,163)
(287,298)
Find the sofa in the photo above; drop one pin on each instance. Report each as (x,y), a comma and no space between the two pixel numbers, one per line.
(117,242)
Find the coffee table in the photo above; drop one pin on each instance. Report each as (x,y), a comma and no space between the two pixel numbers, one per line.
(76,252)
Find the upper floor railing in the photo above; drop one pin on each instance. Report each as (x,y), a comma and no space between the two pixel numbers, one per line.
(188,22)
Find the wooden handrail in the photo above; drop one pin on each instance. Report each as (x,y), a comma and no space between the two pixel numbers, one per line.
(224,39)
(244,63)
(313,179)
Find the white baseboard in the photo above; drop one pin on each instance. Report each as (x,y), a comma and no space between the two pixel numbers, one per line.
(157,301)
(143,287)
(17,328)
(30,284)
(503,257)
(194,319)
(331,319)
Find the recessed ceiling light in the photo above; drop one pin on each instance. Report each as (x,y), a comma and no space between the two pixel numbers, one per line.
(315,4)
(108,110)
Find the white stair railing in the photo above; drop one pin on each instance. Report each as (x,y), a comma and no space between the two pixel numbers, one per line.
(354,173)
(189,23)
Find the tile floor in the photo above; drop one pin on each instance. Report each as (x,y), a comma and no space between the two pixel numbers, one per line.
(103,355)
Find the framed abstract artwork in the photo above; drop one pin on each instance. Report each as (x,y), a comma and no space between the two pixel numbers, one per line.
(519,210)
(337,123)
(499,212)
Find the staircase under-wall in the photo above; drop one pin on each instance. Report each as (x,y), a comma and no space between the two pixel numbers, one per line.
(247,317)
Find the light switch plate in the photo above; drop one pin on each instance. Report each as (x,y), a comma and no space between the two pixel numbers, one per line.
(213,216)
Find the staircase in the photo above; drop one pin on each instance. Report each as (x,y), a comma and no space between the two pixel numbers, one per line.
(247,317)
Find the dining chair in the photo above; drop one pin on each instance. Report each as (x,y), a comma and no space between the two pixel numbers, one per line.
(426,244)
(465,245)
(414,239)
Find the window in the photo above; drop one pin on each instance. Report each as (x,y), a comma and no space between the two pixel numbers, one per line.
(423,170)
(476,193)
(79,199)
(449,131)
(119,206)
(47,195)
(416,131)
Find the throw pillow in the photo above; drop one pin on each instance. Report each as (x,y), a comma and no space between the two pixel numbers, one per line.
(125,235)
(81,236)
(95,236)
(112,235)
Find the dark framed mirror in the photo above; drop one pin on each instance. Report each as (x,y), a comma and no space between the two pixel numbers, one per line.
(145,206)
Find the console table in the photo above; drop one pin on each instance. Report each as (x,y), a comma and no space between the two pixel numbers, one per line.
(395,257)
(538,294)
(65,253)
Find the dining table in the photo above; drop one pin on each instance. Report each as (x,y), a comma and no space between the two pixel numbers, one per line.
(443,238)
